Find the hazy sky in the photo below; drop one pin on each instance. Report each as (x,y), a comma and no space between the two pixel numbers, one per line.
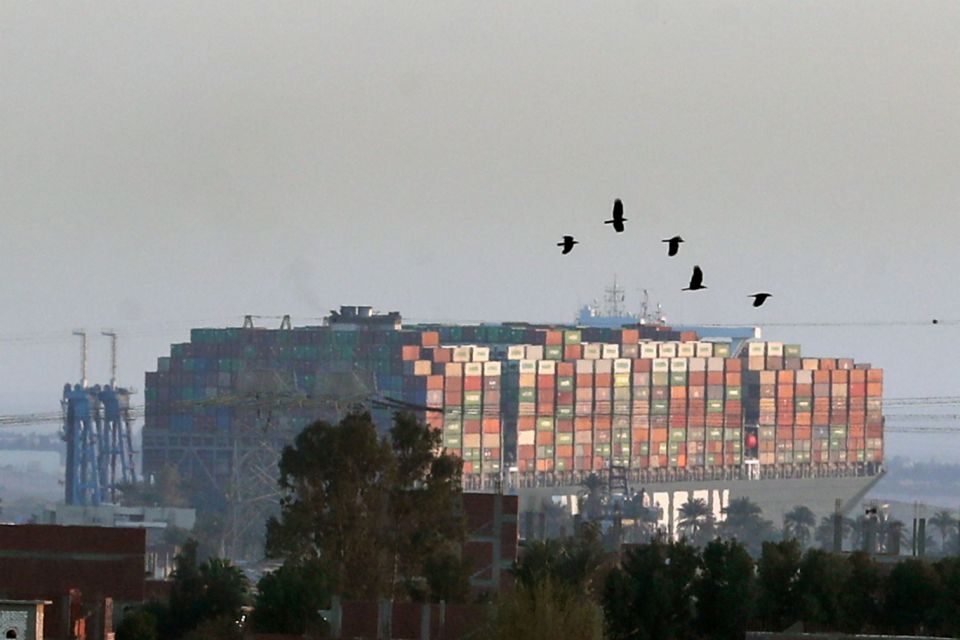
(164,165)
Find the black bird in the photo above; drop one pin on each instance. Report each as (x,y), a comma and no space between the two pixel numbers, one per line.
(674,245)
(759,298)
(618,219)
(567,244)
(696,280)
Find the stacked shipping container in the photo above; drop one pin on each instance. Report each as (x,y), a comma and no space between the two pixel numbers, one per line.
(546,400)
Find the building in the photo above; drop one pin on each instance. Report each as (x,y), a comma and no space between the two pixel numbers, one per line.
(22,619)
(88,574)
(532,409)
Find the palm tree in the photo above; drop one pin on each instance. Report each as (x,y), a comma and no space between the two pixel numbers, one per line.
(591,501)
(945,524)
(797,523)
(824,532)
(744,523)
(692,515)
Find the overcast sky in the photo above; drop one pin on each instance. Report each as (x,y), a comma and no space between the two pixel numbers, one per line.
(166,165)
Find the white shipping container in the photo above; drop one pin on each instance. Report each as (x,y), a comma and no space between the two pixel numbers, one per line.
(648,350)
(547,367)
(534,352)
(697,364)
(603,366)
(622,365)
(661,365)
(584,366)
(528,366)
(667,350)
(686,350)
(526,437)
(714,364)
(481,354)
(473,369)
(678,364)
(611,351)
(516,352)
(775,349)
(756,348)
(492,368)
(704,349)
(591,351)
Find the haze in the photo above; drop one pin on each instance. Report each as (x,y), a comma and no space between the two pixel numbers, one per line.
(168,165)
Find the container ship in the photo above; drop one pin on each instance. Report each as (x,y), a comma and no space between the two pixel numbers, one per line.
(535,409)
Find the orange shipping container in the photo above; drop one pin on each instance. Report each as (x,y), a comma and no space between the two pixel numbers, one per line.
(583,423)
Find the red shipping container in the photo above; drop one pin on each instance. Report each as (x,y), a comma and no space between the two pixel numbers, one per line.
(565,369)
(491,425)
(716,377)
(642,365)
(472,426)
(545,437)
(572,352)
(526,452)
(472,383)
(527,423)
(434,383)
(677,393)
(583,423)
(564,425)
(546,381)
(714,420)
(553,338)
(732,364)
(545,407)
(698,378)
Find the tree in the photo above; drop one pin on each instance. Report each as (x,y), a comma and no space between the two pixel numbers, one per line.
(222,628)
(744,523)
(208,591)
(779,569)
(820,588)
(692,515)
(372,511)
(138,625)
(592,498)
(545,611)
(650,596)
(798,522)
(912,591)
(861,595)
(572,564)
(945,523)
(824,532)
(943,619)
(724,590)
(289,599)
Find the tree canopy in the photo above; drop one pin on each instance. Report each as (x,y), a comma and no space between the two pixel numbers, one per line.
(382,516)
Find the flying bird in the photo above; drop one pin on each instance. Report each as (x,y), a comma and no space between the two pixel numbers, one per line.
(567,244)
(618,219)
(696,280)
(674,245)
(759,298)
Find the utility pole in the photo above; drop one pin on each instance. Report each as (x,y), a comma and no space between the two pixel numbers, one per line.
(83,356)
(113,355)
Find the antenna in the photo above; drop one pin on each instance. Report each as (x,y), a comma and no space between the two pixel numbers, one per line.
(113,355)
(83,356)
(614,300)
